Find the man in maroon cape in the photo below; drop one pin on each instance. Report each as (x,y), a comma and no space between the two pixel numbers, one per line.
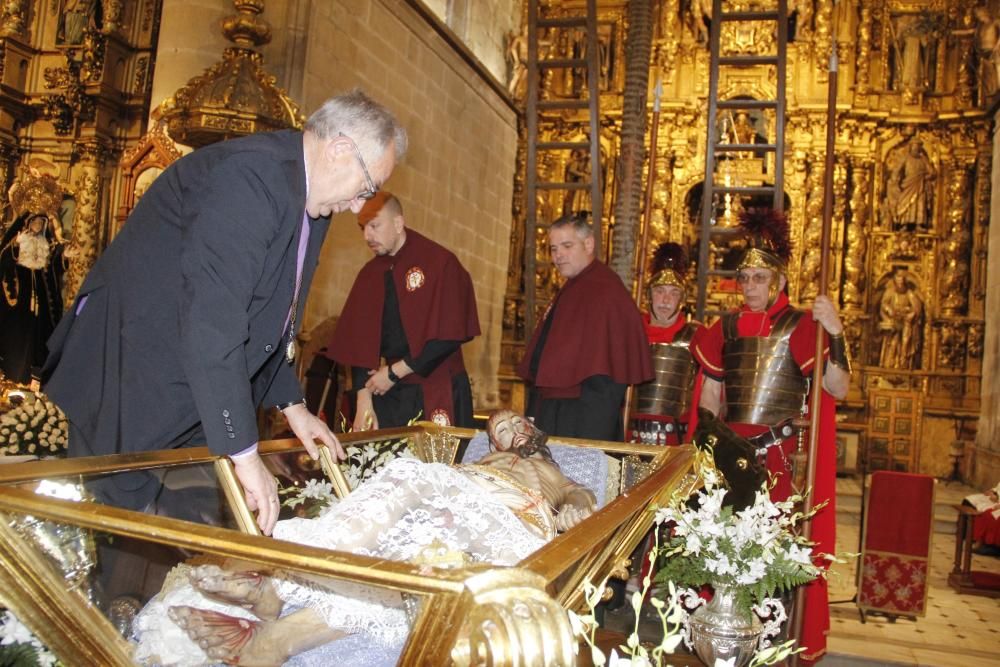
(669,403)
(410,310)
(757,363)
(589,345)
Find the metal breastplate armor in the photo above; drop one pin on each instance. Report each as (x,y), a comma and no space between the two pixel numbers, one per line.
(669,392)
(763,384)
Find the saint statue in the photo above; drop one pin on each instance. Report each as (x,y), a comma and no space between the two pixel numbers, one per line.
(517,58)
(987,44)
(901,315)
(498,510)
(577,171)
(31,271)
(910,190)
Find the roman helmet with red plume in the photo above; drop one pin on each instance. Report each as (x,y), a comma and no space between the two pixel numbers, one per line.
(768,245)
(669,266)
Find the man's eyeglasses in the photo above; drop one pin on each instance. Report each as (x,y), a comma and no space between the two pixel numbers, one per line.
(755,278)
(370,190)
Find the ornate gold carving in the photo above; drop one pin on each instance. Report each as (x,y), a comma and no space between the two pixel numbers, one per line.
(72,104)
(87,191)
(951,345)
(857,242)
(862,65)
(35,192)
(955,275)
(236,96)
(13,18)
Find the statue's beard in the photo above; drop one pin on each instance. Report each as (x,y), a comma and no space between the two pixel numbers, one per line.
(33,251)
(531,441)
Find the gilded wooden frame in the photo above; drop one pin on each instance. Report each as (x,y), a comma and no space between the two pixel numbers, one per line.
(504,616)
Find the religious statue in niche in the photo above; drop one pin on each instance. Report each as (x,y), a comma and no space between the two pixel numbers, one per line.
(900,322)
(909,193)
(987,45)
(697,16)
(577,171)
(77,17)
(517,58)
(914,54)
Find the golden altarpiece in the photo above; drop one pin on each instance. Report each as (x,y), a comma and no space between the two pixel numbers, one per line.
(911,186)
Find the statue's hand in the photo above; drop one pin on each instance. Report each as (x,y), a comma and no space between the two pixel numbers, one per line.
(571,515)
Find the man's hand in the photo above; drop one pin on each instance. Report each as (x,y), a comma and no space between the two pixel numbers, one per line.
(825,313)
(364,416)
(308,428)
(260,488)
(379,382)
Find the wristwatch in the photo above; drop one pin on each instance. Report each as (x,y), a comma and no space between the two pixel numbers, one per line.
(393,378)
(284,406)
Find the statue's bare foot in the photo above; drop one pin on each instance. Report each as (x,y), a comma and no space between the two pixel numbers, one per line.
(238,641)
(250,590)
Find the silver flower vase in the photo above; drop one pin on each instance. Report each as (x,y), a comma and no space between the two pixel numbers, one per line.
(719,630)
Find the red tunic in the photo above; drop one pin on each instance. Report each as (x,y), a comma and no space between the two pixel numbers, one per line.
(597,330)
(707,350)
(436,302)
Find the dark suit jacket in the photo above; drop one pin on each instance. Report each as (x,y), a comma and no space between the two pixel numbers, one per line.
(180,337)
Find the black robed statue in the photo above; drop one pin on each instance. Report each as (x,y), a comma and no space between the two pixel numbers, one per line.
(31,270)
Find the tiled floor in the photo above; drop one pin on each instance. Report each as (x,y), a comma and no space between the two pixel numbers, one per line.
(958,630)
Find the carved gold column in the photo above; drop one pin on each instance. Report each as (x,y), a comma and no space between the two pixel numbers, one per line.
(86,187)
(856,246)
(955,262)
(812,226)
(862,64)
(823,37)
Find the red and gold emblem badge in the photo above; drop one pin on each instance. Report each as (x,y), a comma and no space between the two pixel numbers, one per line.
(414,279)
(440,417)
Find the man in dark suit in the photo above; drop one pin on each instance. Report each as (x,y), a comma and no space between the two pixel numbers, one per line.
(186,324)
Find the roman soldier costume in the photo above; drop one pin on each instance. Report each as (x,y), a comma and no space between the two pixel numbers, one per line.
(665,405)
(765,361)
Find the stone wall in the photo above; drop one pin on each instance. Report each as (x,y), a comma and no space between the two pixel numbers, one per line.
(456,181)
(986,464)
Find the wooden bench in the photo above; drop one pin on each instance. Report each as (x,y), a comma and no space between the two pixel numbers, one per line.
(504,616)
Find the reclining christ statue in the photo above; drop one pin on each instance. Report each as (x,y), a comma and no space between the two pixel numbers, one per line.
(497,510)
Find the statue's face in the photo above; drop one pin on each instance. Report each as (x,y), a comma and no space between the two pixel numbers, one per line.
(37,224)
(506,428)
(900,281)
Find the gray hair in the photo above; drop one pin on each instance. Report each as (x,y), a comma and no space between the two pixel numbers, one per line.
(579,221)
(369,124)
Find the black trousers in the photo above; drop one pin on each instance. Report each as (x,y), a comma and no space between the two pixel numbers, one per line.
(594,415)
(404,402)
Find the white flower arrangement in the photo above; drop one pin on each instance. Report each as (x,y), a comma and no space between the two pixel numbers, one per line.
(19,646)
(362,462)
(755,552)
(36,427)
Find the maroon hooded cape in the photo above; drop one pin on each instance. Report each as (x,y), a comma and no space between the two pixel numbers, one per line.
(597,330)
(436,302)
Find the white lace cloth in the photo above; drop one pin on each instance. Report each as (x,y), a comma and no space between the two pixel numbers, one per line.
(404,508)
